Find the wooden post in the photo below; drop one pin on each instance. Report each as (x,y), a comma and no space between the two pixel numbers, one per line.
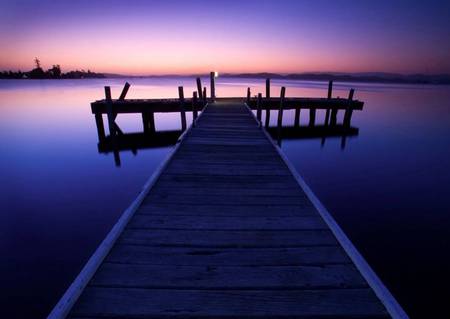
(151,122)
(124,91)
(267,102)
(349,110)
(258,108)
(330,91)
(213,89)
(297,117)
(109,110)
(333,119)
(280,114)
(248,96)
(204,96)
(194,107)
(100,127)
(199,88)
(182,110)
(312,116)
(145,122)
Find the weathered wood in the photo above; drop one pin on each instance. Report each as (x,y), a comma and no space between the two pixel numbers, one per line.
(194,106)
(226,232)
(297,117)
(312,117)
(183,112)
(258,108)
(213,86)
(280,113)
(222,278)
(124,91)
(267,104)
(155,303)
(204,96)
(330,89)
(109,109)
(199,89)
(248,96)
(348,111)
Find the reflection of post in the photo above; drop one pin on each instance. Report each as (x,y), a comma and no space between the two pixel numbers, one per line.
(182,110)
(116,156)
(213,89)
(280,114)
(267,102)
(349,109)
(100,127)
(343,141)
(258,108)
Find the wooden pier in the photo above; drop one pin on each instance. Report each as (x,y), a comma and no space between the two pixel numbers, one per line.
(226,228)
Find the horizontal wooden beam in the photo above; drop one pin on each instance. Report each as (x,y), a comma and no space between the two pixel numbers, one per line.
(173,104)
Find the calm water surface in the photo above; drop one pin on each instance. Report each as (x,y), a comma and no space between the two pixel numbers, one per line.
(388,188)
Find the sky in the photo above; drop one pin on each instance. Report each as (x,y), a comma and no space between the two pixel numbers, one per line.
(186,37)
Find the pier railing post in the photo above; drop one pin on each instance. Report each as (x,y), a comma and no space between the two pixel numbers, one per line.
(124,91)
(258,108)
(204,97)
(199,89)
(349,109)
(182,110)
(213,89)
(330,90)
(280,114)
(194,107)
(267,103)
(248,96)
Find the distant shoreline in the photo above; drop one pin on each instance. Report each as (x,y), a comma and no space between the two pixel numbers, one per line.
(382,78)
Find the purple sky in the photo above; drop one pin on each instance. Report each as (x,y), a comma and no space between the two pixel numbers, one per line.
(155,37)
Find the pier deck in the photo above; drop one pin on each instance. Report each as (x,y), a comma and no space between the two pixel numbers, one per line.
(226,230)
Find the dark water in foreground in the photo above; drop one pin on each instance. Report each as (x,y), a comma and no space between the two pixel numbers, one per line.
(388,188)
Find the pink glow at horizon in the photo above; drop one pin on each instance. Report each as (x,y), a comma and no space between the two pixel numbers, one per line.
(172,37)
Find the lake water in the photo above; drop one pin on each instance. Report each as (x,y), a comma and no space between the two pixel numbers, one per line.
(389,188)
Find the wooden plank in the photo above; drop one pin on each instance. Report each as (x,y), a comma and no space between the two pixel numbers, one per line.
(219,277)
(228,238)
(150,255)
(227,223)
(98,301)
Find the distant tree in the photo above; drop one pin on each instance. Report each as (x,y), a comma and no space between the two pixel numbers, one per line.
(55,71)
(37,62)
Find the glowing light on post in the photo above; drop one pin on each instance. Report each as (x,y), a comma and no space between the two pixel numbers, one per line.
(216,74)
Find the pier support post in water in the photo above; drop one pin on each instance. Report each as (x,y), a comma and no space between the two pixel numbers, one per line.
(182,110)
(199,89)
(100,127)
(109,110)
(349,110)
(124,91)
(213,89)
(280,114)
(194,107)
(330,91)
(248,96)
(297,117)
(258,108)
(148,122)
(312,116)
(267,103)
